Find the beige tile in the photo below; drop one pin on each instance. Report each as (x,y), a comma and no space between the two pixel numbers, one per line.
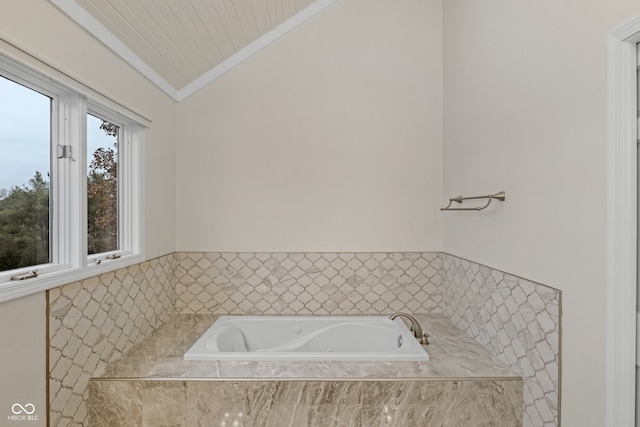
(307,283)
(114,403)
(94,321)
(518,320)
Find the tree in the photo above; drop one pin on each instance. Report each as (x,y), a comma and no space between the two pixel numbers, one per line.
(24,212)
(102,196)
(24,225)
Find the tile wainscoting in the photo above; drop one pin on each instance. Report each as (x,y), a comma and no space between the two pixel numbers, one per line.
(308,283)
(518,320)
(92,322)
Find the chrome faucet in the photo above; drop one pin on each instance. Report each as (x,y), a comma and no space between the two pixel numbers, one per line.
(415,327)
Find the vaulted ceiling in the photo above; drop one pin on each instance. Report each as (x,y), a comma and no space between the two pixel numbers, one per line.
(183,45)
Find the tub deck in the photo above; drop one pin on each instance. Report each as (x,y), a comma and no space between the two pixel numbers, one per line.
(462,384)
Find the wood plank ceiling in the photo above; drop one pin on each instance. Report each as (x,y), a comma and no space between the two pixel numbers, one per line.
(181,40)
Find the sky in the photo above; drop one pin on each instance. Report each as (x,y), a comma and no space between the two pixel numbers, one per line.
(25,134)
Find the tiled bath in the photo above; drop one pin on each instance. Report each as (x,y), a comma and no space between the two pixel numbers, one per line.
(93,322)
(462,384)
(519,320)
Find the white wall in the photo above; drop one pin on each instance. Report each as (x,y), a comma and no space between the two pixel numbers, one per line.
(328,140)
(525,112)
(23,359)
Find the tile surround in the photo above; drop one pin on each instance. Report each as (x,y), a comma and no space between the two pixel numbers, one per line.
(308,283)
(94,321)
(518,320)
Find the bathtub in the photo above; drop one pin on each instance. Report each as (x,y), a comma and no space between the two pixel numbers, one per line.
(349,338)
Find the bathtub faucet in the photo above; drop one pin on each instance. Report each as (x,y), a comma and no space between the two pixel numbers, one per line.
(415,327)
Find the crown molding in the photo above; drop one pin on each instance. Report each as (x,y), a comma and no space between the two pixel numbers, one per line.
(100,32)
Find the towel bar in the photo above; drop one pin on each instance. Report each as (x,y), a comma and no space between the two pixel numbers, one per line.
(498,196)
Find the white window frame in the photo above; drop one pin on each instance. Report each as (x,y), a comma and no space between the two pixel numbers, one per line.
(68,192)
(128,195)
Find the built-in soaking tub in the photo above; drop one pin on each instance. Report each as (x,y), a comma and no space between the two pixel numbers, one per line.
(352,338)
(462,383)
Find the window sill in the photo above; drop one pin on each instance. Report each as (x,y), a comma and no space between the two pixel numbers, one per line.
(21,288)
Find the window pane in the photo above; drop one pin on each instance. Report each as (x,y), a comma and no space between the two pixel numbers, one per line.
(102,185)
(25,163)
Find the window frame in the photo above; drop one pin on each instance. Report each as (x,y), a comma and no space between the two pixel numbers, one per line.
(68,188)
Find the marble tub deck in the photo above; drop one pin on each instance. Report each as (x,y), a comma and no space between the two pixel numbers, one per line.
(462,385)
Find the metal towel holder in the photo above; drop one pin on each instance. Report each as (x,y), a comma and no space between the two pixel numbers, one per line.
(498,196)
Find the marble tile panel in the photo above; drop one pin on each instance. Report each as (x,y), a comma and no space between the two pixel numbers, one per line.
(277,402)
(222,404)
(333,403)
(167,403)
(446,403)
(114,403)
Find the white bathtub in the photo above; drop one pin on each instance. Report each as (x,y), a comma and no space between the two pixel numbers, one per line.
(361,338)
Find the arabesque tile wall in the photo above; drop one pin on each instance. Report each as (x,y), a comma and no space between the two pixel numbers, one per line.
(308,283)
(92,322)
(518,320)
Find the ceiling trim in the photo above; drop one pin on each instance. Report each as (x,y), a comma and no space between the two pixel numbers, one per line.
(99,31)
(254,47)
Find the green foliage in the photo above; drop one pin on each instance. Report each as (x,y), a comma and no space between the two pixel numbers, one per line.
(24,224)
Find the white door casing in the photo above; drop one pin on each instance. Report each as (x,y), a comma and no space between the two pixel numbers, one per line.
(637,239)
(620,345)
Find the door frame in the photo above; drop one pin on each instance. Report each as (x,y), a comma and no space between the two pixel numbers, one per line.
(622,194)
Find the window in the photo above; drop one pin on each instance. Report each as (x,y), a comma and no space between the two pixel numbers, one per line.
(102,185)
(70,184)
(25,163)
